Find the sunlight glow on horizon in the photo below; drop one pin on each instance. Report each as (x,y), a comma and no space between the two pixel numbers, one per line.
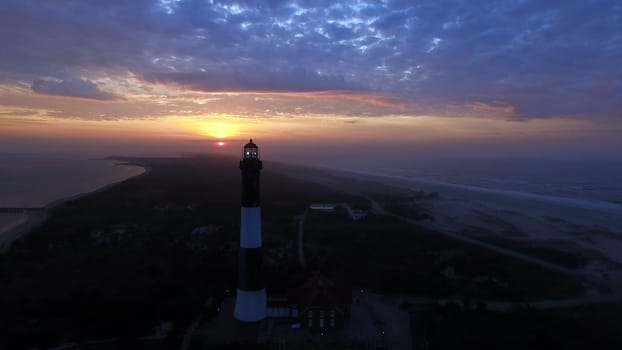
(325,128)
(184,123)
(217,129)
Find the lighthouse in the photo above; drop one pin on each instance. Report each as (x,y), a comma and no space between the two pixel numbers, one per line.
(250,302)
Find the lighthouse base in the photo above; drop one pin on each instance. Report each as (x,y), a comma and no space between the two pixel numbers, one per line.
(250,306)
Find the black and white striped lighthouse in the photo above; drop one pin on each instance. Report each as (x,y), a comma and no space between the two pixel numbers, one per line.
(250,302)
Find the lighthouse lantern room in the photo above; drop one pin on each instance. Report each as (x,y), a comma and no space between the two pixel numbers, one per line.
(250,151)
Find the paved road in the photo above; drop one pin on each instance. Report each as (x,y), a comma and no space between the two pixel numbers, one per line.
(301,252)
(191,331)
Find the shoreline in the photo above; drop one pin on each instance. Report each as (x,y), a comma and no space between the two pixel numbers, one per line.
(36,217)
(10,230)
(582,227)
(528,229)
(60,201)
(611,206)
(596,214)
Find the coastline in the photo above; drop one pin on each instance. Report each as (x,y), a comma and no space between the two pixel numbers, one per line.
(499,217)
(572,210)
(8,231)
(410,182)
(37,216)
(122,257)
(60,201)
(584,243)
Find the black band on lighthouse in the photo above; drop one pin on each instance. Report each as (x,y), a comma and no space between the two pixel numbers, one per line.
(250,277)
(250,182)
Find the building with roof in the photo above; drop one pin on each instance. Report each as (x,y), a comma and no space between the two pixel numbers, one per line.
(319,304)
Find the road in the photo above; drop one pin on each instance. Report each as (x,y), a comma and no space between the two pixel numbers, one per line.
(301,252)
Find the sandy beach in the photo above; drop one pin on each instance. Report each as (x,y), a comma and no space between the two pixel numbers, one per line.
(520,216)
(8,223)
(20,224)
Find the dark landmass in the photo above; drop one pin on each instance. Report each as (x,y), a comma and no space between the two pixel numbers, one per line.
(455,327)
(571,257)
(391,256)
(154,251)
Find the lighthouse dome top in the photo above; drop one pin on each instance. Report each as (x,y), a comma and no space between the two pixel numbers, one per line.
(251,150)
(250,144)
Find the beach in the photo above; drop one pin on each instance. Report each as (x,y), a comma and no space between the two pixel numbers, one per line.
(519,215)
(507,218)
(7,221)
(17,225)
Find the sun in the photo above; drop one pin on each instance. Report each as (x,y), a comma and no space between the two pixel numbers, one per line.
(216,129)
(220,143)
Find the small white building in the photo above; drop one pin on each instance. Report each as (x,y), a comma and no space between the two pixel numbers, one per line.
(323,207)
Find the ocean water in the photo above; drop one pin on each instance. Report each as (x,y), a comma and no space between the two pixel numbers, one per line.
(35,180)
(591,180)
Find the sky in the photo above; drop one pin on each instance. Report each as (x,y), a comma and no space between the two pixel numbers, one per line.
(316,79)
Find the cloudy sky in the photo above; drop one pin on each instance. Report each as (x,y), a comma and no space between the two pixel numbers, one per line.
(178,75)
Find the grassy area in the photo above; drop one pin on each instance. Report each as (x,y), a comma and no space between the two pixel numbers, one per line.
(389,255)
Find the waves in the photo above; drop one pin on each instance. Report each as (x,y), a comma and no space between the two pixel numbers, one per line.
(578,184)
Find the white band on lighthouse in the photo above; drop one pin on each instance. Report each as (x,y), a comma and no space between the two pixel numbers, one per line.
(250,227)
(250,306)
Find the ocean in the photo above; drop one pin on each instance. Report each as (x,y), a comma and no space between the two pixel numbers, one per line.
(598,181)
(35,180)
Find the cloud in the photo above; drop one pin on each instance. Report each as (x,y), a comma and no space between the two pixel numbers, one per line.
(496,108)
(545,58)
(257,79)
(71,88)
